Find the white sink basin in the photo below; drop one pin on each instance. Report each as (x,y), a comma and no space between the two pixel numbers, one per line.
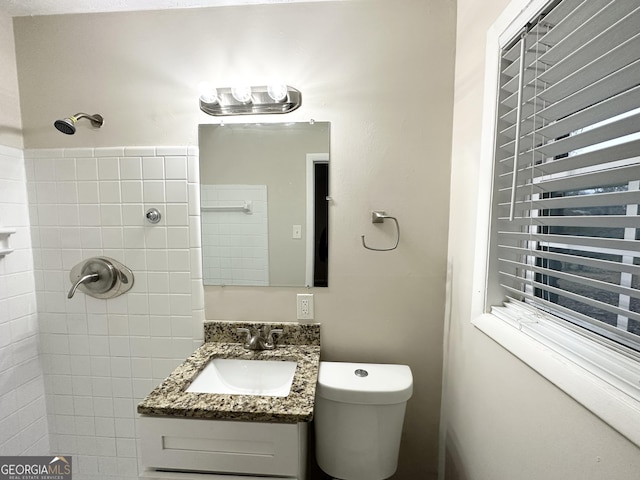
(236,376)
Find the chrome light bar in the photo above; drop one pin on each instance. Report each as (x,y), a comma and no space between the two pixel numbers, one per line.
(249,100)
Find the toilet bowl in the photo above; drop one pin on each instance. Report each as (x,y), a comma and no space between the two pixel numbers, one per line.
(359,412)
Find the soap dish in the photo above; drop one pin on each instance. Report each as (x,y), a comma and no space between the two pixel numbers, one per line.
(5,233)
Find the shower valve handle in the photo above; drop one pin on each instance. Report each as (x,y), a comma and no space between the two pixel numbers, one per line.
(91,277)
(100,277)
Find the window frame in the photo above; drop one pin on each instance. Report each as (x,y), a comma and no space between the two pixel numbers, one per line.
(602,377)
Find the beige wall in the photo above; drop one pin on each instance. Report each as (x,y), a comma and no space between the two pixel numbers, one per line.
(10,122)
(382,75)
(504,421)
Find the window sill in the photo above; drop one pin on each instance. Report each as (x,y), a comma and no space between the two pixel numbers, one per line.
(613,394)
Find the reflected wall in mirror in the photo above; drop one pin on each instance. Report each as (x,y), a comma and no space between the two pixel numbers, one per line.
(263,203)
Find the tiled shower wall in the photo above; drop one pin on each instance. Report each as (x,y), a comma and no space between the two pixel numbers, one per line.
(23,421)
(101,357)
(235,245)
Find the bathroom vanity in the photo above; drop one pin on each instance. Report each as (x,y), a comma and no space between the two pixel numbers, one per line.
(221,435)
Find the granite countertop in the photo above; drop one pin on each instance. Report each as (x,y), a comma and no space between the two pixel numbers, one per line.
(171,399)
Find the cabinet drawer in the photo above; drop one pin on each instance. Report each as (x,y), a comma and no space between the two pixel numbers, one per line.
(222,446)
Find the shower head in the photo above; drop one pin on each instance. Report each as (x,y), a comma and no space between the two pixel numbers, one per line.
(68,125)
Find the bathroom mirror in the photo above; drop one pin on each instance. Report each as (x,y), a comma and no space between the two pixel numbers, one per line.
(263,203)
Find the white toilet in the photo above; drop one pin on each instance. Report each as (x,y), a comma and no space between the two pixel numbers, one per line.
(358,418)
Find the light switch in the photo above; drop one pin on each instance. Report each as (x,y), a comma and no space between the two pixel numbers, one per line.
(297,231)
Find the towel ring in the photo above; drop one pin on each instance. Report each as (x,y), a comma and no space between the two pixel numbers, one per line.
(378,216)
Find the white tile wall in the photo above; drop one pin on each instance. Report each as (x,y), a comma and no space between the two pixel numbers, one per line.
(102,356)
(235,244)
(23,421)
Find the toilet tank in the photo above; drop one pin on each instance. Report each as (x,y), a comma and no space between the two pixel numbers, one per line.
(359,412)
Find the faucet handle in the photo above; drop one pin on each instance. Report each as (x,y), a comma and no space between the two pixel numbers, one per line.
(100,277)
(246,332)
(90,277)
(272,332)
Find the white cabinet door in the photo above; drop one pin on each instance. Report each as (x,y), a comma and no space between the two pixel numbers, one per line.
(219,446)
(162,475)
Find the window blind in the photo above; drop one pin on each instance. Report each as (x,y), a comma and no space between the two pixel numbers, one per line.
(566,226)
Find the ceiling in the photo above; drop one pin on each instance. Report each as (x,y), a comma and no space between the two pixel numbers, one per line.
(22,8)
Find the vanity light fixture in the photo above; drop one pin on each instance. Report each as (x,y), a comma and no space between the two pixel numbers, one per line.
(245,100)
(207,93)
(277,92)
(241,94)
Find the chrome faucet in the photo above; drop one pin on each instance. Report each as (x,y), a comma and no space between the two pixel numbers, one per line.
(262,340)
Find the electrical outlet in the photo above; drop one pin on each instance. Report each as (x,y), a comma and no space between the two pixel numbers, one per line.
(305,306)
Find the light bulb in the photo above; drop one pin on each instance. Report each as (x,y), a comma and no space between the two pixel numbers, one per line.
(242,94)
(207,92)
(278,92)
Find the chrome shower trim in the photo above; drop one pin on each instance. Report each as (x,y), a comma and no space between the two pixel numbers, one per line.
(96,119)
(68,125)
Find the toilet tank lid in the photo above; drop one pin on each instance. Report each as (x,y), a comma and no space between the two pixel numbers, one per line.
(365,383)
